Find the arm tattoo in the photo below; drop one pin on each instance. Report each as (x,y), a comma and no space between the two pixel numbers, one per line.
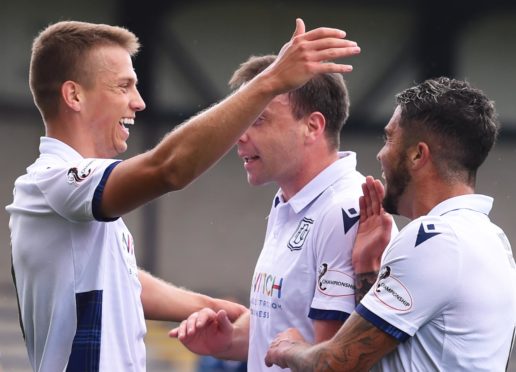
(356,350)
(363,282)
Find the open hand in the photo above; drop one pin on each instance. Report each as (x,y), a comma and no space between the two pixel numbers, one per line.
(374,231)
(205,332)
(308,54)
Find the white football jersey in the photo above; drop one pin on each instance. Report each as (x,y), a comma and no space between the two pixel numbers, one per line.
(76,277)
(447,291)
(304,271)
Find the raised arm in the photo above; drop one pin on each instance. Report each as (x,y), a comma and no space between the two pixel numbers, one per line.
(374,233)
(196,145)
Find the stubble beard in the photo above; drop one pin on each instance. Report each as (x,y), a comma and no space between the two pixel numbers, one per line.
(398,181)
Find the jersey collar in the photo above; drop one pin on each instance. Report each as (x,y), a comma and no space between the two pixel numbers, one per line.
(346,163)
(476,202)
(52,146)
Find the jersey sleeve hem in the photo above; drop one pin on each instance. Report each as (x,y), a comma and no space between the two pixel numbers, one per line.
(318,314)
(97,195)
(381,324)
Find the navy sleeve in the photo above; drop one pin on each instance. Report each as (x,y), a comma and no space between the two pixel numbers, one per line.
(97,196)
(382,324)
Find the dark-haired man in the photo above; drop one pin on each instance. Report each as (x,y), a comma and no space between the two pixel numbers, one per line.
(446,298)
(304,276)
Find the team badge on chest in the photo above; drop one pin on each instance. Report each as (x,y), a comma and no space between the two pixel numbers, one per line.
(298,239)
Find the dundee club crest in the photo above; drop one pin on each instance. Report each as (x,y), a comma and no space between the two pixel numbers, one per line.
(298,239)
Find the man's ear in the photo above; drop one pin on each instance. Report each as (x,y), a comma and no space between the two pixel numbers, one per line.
(419,155)
(71,94)
(315,125)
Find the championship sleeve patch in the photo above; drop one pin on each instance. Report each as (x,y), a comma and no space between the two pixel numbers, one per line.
(76,175)
(391,292)
(334,283)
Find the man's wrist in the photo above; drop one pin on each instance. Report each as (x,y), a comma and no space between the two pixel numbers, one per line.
(365,266)
(363,283)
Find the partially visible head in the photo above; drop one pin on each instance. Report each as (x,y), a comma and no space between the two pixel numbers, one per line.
(457,122)
(325,93)
(61,52)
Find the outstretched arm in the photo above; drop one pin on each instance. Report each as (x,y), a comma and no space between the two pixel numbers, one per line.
(357,346)
(211,333)
(196,145)
(164,301)
(374,233)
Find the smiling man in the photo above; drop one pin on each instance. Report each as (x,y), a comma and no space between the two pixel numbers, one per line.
(82,297)
(304,275)
(445,299)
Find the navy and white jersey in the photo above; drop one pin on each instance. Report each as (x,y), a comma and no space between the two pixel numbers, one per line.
(304,271)
(447,291)
(76,276)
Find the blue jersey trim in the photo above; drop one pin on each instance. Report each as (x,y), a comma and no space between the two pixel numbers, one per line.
(97,195)
(17,298)
(85,354)
(319,314)
(382,324)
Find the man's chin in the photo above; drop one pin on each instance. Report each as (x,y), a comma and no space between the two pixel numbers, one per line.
(390,205)
(121,149)
(253,181)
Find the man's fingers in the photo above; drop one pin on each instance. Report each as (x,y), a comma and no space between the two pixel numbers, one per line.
(173,333)
(371,202)
(204,317)
(191,323)
(181,330)
(378,196)
(366,200)
(327,49)
(362,207)
(376,204)
(223,321)
(329,43)
(300,28)
(324,32)
(380,190)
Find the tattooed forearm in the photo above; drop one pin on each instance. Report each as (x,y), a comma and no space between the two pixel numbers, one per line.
(363,282)
(356,348)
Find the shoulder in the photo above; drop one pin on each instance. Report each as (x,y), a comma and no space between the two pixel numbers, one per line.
(338,209)
(343,193)
(425,233)
(74,171)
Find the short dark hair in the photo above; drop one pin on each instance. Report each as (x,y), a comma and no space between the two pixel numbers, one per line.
(457,121)
(325,93)
(59,53)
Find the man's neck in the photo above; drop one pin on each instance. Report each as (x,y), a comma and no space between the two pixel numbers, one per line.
(435,193)
(311,168)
